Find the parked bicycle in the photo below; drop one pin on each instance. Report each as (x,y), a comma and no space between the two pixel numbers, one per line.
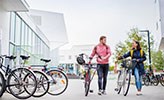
(42,82)
(57,79)
(21,82)
(124,76)
(160,78)
(88,75)
(149,79)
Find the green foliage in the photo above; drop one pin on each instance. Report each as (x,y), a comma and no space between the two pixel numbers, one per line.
(134,34)
(158,60)
(111,68)
(157,56)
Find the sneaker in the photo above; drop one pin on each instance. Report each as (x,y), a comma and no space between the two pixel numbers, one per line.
(100,92)
(104,92)
(139,93)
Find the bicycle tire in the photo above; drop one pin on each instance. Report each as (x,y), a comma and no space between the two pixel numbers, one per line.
(119,88)
(57,75)
(21,83)
(40,83)
(146,81)
(155,81)
(7,90)
(162,80)
(87,83)
(128,84)
(2,84)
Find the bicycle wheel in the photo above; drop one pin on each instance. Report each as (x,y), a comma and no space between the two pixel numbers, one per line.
(155,81)
(22,83)
(42,84)
(87,83)
(119,83)
(162,80)
(58,82)
(146,80)
(2,84)
(126,82)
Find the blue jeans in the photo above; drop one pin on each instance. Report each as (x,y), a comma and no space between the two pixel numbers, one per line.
(102,72)
(138,79)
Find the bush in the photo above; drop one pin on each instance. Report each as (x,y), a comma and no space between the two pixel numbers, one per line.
(111,68)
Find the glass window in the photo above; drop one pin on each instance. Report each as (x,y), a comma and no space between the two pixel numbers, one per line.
(12,49)
(26,36)
(23,40)
(29,40)
(12,27)
(69,57)
(22,34)
(18,30)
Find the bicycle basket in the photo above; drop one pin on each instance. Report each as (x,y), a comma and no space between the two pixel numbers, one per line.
(131,64)
(128,64)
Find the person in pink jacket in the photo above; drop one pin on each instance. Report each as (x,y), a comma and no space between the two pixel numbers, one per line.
(103,52)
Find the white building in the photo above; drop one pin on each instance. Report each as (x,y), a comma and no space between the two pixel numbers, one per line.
(35,33)
(160,24)
(53,25)
(68,57)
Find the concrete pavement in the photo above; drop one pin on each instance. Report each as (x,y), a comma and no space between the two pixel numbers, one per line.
(75,91)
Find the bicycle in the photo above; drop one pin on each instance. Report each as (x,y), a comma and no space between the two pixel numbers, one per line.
(87,77)
(160,78)
(57,79)
(42,82)
(124,76)
(149,79)
(16,79)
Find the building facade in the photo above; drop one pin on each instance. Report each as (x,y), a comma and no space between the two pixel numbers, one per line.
(160,23)
(20,34)
(53,25)
(68,58)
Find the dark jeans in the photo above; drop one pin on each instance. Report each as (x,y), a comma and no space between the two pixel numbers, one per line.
(102,72)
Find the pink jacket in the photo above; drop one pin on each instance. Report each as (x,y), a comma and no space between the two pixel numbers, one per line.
(103,51)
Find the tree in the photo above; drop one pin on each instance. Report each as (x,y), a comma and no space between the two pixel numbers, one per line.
(158,60)
(123,47)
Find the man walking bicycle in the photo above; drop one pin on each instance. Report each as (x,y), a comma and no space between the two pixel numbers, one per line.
(102,50)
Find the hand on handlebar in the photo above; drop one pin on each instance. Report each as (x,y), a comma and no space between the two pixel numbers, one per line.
(135,60)
(119,57)
(90,59)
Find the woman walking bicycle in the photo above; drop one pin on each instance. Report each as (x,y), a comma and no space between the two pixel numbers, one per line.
(138,69)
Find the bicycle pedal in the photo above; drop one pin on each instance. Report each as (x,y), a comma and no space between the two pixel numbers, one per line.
(116,89)
(91,91)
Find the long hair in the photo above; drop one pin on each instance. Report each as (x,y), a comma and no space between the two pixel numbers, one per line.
(138,45)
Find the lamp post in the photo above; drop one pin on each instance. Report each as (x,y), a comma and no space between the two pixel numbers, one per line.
(148,35)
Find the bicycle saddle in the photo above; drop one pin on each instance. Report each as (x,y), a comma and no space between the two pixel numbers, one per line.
(11,57)
(24,57)
(46,60)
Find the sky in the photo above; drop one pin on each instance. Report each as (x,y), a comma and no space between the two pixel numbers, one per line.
(87,20)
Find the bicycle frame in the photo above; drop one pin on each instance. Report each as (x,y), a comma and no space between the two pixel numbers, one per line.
(6,70)
(125,72)
(45,70)
(88,68)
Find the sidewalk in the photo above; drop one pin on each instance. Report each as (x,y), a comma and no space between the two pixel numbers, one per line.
(75,91)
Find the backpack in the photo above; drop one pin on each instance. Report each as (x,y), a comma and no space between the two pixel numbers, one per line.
(141,53)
